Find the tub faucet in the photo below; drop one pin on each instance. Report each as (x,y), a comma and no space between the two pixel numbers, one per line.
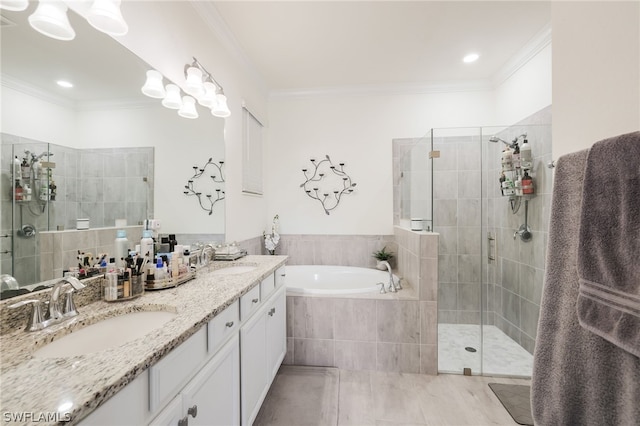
(393,287)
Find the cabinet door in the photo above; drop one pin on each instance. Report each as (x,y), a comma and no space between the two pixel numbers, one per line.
(253,366)
(276,332)
(170,415)
(128,407)
(213,397)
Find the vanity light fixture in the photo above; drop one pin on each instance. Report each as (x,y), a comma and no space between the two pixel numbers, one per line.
(172,99)
(105,16)
(188,108)
(153,86)
(202,85)
(14,5)
(50,19)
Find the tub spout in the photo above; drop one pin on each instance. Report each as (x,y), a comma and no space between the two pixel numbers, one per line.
(393,287)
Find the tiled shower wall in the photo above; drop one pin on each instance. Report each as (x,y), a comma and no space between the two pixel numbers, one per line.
(392,332)
(515,279)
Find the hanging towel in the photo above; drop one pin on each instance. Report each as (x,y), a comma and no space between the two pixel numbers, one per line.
(578,377)
(609,242)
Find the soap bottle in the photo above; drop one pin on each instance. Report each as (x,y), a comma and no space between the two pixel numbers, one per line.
(507,160)
(17,171)
(122,248)
(527,184)
(18,193)
(26,170)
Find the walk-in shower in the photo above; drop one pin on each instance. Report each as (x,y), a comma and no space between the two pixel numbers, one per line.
(489,278)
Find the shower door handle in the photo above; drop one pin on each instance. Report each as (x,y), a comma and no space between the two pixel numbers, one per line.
(491,247)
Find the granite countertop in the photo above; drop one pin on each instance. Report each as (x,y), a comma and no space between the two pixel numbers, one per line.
(77,385)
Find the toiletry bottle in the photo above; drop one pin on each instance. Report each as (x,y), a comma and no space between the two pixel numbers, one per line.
(146,244)
(17,170)
(26,170)
(18,193)
(516,156)
(507,160)
(172,242)
(525,155)
(518,186)
(52,191)
(527,184)
(121,248)
(26,192)
(502,179)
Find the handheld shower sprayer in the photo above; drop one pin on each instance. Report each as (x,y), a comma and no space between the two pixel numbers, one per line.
(495,139)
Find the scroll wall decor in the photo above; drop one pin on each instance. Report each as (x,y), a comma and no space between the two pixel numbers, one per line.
(193,186)
(325,174)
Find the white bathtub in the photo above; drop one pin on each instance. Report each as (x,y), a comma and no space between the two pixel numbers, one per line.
(326,280)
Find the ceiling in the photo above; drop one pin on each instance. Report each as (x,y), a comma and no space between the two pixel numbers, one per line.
(296,45)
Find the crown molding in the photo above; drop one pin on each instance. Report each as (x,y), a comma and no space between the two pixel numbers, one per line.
(19,86)
(210,15)
(391,89)
(534,46)
(36,92)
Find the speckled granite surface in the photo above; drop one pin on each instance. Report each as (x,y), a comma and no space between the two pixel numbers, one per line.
(41,385)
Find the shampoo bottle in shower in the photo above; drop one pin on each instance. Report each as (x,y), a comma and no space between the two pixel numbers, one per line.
(17,170)
(527,184)
(525,155)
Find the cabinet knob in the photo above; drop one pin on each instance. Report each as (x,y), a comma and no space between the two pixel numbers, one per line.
(254,300)
(183,421)
(193,411)
(229,324)
(272,311)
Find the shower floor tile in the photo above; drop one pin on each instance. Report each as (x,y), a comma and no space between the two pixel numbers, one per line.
(502,355)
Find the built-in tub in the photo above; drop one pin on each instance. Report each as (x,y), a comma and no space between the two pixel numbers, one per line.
(334,280)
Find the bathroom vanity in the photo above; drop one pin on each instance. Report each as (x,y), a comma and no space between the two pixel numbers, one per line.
(212,363)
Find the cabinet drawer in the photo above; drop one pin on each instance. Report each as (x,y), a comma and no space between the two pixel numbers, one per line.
(223,326)
(249,303)
(280,277)
(169,375)
(267,286)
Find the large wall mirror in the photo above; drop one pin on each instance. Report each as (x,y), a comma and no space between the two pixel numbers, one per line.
(117,153)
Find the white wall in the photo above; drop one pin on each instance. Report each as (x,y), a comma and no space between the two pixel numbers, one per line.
(526,91)
(357,130)
(55,123)
(596,72)
(167,35)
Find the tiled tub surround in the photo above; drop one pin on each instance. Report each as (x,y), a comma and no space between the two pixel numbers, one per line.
(382,332)
(40,385)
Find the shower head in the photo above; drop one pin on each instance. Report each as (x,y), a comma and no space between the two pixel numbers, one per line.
(495,139)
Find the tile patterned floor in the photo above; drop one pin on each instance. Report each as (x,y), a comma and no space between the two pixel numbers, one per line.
(501,356)
(373,398)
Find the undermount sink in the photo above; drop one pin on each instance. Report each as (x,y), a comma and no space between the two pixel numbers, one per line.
(232,270)
(108,333)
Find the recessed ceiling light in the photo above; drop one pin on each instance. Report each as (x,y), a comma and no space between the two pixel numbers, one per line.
(65,84)
(471,57)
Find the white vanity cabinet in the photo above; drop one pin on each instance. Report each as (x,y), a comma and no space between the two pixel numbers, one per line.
(211,398)
(263,347)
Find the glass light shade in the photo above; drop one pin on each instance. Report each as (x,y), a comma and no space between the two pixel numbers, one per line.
(188,109)
(15,5)
(220,109)
(153,87)
(208,98)
(105,16)
(172,98)
(50,19)
(194,82)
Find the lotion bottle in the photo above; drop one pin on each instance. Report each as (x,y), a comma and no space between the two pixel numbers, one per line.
(122,248)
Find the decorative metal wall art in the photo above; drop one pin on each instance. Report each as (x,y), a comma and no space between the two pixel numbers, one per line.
(322,174)
(192,188)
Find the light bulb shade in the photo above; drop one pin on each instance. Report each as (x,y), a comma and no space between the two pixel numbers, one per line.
(220,109)
(194,82)
(105,16)
(153,87)
(208,98)
(15,5)
(50,19)
(172,98)
(188,109)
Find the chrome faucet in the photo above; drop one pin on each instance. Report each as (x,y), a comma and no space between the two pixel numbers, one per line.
(55,313)
(393,287)
(37,320)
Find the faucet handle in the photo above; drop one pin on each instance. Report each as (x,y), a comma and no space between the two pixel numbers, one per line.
(36,320)
(69,305)
(382,290)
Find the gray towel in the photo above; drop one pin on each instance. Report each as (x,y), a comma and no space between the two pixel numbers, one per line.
(578,377)
(609,242)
